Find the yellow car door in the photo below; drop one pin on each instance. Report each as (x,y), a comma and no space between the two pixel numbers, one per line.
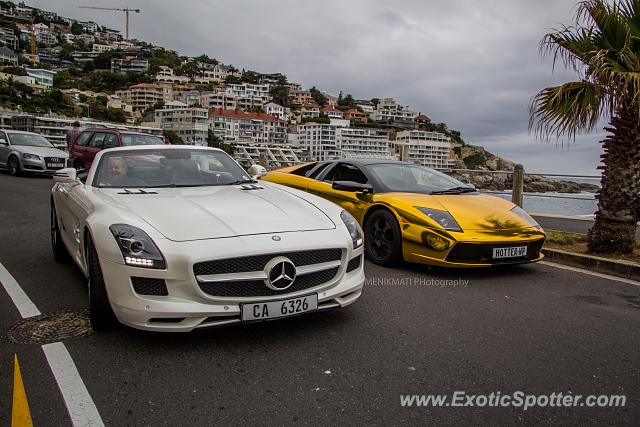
(352,202)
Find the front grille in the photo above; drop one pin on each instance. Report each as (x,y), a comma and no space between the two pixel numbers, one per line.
(479,253)
(354,264)
(149,286)
(258,262)
(49,160)
(257,288)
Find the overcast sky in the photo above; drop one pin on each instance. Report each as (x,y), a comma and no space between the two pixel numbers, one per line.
(473,64)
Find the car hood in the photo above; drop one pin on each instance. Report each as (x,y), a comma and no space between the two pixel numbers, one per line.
(195,213)
(472,211)
(40,151)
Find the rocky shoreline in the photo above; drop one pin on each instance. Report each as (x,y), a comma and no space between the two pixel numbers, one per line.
(477,158)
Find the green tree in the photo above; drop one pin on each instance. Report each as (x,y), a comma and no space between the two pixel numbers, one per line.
(214,141)
(76,28)
(603,47)
(173,137)
(318,97)
(280,95)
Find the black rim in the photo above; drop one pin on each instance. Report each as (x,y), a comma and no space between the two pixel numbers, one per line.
(54,228)
(13,167)
(380,238)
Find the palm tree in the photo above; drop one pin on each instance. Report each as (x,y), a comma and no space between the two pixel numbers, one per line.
(603,48)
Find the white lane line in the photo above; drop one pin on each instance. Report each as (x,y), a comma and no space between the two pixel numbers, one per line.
(22,302)
(82,410)
(591,273)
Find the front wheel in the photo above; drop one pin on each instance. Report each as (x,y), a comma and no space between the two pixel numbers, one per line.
(14,166)
(100,311)
(383,239)
(60,252)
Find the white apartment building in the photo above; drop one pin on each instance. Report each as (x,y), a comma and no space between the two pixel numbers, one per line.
(68,38)
(249,95)
(87,38)
(43,77)
(432,149)
(7,55)
(133,64)
(214,74)
(89,27)
(166,74)
(318,141)
(144,95)
(46,38)
(332,112)
(274,109)
(9,38)
(190,123)
(388,110)
(217,100)
(241,126)
(356,143)
(99,48)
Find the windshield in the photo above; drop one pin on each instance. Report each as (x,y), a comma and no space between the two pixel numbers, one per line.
(133,139)
(29,140)
(407,178)
(168,168)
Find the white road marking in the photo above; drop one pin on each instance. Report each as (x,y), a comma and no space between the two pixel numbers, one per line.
(82,410)
(591,273)
(22,302)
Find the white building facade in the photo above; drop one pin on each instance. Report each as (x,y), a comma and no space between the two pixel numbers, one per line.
(357,143)
(432,149)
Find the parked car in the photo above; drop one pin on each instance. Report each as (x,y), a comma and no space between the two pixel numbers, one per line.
(92,141)
(173,238)
(414,213)
(29,152)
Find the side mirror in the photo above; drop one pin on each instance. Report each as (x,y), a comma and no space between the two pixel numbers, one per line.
(355,187)
(256,171)
(65,175)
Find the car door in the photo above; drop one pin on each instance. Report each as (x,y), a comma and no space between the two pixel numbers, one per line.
(352,202)
(79,149)
(4,149)
(94,147)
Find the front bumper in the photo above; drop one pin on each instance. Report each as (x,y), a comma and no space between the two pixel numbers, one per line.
(40,165)
(472,248)
(186,306)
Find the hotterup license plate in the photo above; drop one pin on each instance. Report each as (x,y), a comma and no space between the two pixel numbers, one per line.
(513,252)
(282,308)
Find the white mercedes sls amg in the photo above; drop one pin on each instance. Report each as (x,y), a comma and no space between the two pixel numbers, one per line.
(173,238)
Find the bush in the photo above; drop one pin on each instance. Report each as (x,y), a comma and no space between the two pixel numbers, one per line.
(474,161)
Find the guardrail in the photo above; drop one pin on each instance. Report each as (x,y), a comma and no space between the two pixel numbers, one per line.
(518,174)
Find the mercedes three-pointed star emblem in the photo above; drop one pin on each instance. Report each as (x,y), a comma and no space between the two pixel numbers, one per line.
(281,274)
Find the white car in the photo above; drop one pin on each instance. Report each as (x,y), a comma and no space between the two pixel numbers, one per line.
(173,238)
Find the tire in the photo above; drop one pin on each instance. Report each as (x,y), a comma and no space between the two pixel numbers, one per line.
(60,252)
(383,239)
(14,166)
(100,311)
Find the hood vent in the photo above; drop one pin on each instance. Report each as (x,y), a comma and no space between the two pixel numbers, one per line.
(139,191)
(251,187)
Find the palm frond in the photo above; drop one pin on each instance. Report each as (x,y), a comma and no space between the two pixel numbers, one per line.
(567,109)
(574,46)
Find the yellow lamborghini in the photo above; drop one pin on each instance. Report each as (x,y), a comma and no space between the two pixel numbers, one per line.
(420,215)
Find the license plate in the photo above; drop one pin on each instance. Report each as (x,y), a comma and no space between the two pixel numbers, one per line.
(55,165)
(282,308)
(513,252)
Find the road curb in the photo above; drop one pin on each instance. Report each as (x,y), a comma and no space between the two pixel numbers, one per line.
(626,269)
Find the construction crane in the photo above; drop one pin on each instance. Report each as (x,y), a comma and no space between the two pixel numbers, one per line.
(126,11)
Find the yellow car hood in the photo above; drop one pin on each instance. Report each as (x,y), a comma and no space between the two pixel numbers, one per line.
(472,211)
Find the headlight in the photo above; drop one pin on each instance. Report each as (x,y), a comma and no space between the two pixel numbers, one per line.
(443,218)
(524,215)
(30,156)
(353,228)
(137,247)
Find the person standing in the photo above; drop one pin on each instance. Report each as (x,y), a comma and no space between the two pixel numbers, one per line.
(72,135)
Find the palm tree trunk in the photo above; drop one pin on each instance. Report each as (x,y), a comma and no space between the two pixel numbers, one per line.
(615,223)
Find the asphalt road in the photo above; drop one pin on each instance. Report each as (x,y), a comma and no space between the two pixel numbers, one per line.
(537,329)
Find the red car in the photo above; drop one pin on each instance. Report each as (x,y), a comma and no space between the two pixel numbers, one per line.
(91,141)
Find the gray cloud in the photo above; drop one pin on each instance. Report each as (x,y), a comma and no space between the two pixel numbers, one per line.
(472,64)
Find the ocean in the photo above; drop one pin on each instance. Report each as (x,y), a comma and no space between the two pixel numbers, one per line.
(575,204)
